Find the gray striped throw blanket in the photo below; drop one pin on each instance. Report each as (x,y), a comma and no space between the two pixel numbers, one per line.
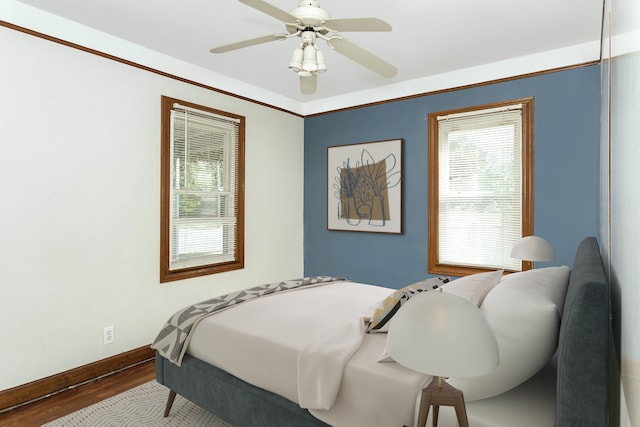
(174,336)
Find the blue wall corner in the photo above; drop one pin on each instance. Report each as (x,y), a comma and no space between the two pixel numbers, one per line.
(566,144)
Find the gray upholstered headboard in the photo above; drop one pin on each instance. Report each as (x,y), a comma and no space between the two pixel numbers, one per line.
(583,343)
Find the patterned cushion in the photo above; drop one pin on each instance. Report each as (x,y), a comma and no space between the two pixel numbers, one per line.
(391,304)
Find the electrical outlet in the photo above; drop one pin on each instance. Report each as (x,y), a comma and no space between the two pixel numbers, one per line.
(109,335)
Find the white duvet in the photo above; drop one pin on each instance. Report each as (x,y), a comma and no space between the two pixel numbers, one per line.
(310,347)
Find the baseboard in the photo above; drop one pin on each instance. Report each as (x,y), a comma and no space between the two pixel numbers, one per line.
(21,394)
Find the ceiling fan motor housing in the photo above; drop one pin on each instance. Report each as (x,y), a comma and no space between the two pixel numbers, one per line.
(310,14)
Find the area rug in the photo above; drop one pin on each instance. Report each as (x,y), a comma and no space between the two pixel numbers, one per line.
(142,406)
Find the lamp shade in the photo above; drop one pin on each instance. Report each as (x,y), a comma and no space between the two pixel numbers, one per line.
(309,62)
(533,248)
(322,66)
(442,334)
(296,60)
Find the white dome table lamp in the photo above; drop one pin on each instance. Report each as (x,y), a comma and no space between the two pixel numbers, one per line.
(443,335)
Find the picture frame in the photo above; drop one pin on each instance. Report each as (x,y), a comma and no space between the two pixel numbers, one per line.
(364,187)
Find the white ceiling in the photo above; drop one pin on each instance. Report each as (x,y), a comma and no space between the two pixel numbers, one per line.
(429,38)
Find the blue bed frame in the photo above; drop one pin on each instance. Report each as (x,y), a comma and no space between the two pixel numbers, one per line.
(582,380)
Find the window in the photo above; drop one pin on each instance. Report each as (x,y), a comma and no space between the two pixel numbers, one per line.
(202,197)
(480,187)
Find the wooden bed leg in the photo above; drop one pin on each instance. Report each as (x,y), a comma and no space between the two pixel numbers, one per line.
(167,409)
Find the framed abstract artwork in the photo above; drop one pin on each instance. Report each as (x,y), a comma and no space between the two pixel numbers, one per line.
(364,186)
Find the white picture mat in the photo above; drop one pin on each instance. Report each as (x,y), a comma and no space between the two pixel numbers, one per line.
(359,158)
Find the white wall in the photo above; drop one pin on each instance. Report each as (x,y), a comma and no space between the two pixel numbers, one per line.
(625,228)
(622,36)
(79,217)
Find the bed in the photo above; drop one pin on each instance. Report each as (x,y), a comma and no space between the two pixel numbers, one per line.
(551,325)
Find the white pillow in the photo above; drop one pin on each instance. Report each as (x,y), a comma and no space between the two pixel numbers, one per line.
(474,287)
(524,310)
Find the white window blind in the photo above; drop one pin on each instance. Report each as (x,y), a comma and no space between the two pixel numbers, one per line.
(480,187)
(203,208)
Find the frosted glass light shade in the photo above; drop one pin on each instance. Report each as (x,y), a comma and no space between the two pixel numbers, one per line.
(309,62)
(533,248)
(442,334)
(296,60)
(322,66)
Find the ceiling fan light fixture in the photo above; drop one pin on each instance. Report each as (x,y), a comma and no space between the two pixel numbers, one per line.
(322,66)
(309,61)
(295,64)
(309,22)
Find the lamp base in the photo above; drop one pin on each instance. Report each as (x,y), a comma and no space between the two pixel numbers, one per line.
(440,393)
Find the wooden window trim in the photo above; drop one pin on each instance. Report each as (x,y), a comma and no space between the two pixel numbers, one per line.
(433,265)
(167,275)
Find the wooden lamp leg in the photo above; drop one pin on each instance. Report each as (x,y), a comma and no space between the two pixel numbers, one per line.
(425,404)
(439,393)
(461,411)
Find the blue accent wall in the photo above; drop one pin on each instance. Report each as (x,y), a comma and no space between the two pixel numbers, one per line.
(566,141)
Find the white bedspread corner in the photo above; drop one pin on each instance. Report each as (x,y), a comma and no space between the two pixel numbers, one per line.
(321,364)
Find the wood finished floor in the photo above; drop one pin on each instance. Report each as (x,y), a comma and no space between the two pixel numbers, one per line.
(46,410)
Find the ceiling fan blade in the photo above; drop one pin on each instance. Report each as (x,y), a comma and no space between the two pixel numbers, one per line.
(357,24)
(362,57)
(308,84)
(270,10)
(247,43)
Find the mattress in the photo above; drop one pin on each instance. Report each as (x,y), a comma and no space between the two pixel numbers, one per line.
(531,404)
(261,342)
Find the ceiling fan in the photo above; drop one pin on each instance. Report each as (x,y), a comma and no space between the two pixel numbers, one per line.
(309,22)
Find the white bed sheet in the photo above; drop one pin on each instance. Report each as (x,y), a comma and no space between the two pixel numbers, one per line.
(259,342)
(531,404)
(375,394)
